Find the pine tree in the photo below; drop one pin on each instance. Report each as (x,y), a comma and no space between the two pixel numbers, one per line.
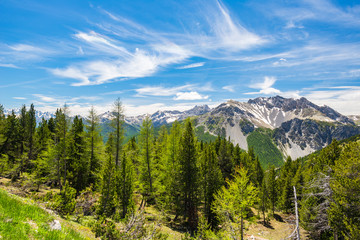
(264,200)
(272,187)
(126,185)
(61,131)
(22,138)
(146,142)
(225,159)
(31,130)
(11,146)
(107,188)
(344,212)
(118,129)
(94,140)
(77,156)
(212,181)
(172,185)
(2,127)
(189,175)
(44,146)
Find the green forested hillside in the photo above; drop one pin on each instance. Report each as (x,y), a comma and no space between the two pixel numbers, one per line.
(264,148)
(168,181)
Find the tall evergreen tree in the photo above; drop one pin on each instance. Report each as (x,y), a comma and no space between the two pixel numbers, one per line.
(146,142)
(77,156)
(212,181)
(272,187)
(31,130)
(225,159)
(172,185)
(94,140)
(118,129)
(126,185)
(189,175)
(61,131)
(344,212)
(11,146)
(22,137)
(107,188)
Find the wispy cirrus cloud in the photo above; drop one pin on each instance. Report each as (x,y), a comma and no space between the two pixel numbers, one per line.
(320,10)
(229,88)
(221,34)
(161,91)
(193,65)
(8,65)
(185,92)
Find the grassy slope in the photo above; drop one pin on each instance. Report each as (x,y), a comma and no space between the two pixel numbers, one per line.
(264,148)
(204,136)
(21,219)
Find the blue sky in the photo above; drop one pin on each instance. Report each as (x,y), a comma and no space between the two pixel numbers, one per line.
(176,54)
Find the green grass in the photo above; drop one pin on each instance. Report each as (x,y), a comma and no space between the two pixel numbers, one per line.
(264,148)
(24,220)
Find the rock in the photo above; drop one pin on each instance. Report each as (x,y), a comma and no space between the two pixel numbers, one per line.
(55,225)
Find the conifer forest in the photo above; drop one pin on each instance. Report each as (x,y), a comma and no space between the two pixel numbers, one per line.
(199,189)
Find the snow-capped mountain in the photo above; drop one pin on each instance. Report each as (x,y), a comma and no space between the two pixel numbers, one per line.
(160,117)
(355,118)
(38,114)
(298,127)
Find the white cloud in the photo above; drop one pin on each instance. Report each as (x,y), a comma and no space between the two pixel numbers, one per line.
(229,88)
(113,93)
(230,34)
(26,48)
(189,96)
(161,91)
(19,98)
(346,100)
(8,65)
(193,65)
(265,87)
(45,98)
(99,72)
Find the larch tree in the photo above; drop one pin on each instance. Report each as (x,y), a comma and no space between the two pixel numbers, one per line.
(232,204)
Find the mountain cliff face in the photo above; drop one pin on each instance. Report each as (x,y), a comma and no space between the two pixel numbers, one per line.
(296,127)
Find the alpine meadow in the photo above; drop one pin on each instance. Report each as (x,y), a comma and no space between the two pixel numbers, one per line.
(191,120)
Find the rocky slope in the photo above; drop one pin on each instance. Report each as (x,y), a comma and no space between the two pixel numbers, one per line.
(298,127)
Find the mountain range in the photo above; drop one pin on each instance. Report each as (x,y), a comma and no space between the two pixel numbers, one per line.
(275,127)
